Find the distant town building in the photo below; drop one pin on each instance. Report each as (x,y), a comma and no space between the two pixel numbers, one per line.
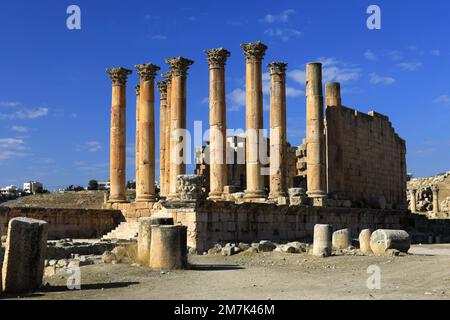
(103,185)
(10,191)
(33,187)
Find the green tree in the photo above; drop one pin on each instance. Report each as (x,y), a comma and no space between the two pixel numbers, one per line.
(92,185)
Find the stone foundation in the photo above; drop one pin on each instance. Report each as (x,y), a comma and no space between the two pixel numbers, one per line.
(67,223)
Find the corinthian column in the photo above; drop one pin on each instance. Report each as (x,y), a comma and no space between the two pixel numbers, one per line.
(117,164)
(278,146)
(145,183)
(162,86)
(315,142)
(217,59)
(254,53)
(138,89)
(435,191)
(413,200)
(178,68)
(168,77)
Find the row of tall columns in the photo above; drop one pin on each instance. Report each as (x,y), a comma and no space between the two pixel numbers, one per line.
(173,122)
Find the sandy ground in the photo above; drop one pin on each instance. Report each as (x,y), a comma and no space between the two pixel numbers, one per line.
(425,275)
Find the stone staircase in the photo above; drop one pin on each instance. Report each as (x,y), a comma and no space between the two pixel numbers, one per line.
(125,231)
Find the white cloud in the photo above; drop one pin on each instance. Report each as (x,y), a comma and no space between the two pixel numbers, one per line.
(159,37)
(20,129)
(93,146)
(283,33)
(370,55)
(11,148)
(336,70)
(435,52)
(409,66)
(293,92)
(298,76)
(281,17)
(443,99)
(237,99)
(9,104)
(377,79)
(395,55)
(25,113)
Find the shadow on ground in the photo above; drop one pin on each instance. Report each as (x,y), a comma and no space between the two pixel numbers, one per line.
(214,267)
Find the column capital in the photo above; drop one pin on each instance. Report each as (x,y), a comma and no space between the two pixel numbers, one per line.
(217,57)
(434,188)
(179,66)
(147,71)
(138,90)
(254,51)
(119,75)
(277,68)
(168,77)
(162,87)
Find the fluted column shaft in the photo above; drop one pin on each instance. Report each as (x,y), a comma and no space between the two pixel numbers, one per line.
(217,121)
(435,191)
(162,86)
(118,135)
(315,142)
(413,200)
(138,93)
(278,145)
(178,69)
(254,53)
(145,184)
(168,131)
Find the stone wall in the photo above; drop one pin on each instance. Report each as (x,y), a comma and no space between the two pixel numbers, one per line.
(67,223)
(212,222)
(369,155)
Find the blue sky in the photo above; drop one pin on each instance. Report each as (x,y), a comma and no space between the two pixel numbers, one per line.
(55,95)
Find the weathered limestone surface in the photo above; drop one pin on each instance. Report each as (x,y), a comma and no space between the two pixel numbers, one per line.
(145,182)
(168,247)
(435,191)
(67,223)
(364,241)
(23,265)
(145,234)
(341,239)
(278,146)
(162,86)
(190,187)
(322,243)
(217,119)
(335,169)
(254,53)
(315,139)
(168,77)
(178,69)
(382,240)
(119,78)
(138,93)
(413,200)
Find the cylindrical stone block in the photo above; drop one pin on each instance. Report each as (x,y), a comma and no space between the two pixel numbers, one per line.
(168,248)
(322,243)
(341,239)
(412,201)
(23,263)
(162,86)
(145,234)
(364,241)
(382,240)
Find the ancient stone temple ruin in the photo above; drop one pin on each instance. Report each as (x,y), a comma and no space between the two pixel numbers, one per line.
(350,169)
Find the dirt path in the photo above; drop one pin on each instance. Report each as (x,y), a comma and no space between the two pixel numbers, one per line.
(264,276)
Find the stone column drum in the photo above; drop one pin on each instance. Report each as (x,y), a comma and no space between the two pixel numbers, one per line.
(364,241)
(322,243)
(315,142)
(334,160)
(117,164)
(278,145)
(435,191)
(138,93)
(145,182)
(217,120)
(382,240)
(178,68)
(413,200)
(162,86)
(254,53)
(341,239)
(168,248)
(23,263)
(145,234)
(168,77)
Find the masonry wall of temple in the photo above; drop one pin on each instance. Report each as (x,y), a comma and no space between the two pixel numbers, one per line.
(366,159)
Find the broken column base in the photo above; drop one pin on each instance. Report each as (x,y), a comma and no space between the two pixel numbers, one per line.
(322,243)
(168,247)
(144,236)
